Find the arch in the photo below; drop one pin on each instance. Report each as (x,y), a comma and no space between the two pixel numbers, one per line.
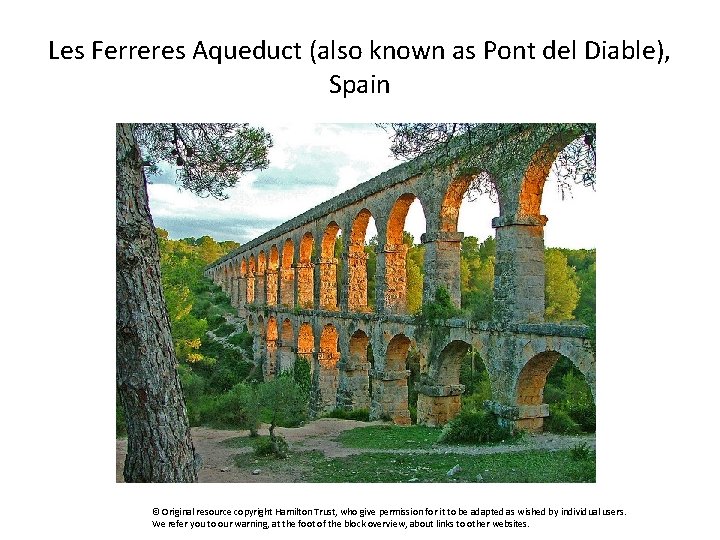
(439,397)
(537,172)
(306,342)
(395,255)
(354,389)
(273,258)
(243,268)
(285,357)
(358,347)
(326,379)
(305,273)
(271,344)
(390,386)
(287,275)
(529,390)
(287,332)
(357,263)
(250,323)
(328,268)
(226,279)
(272,329)
(271,281)
(260,278)
(397,351)
(450,207)
(250,292)
(329,353)
(447,368)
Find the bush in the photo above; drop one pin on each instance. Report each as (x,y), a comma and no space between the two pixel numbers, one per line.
(224,329)
(283,402)
(236,409)
(441,308)
(584,416)
(215,320)
(242,340)
(275,446)
(475,427)
(193,385)
(581,452)
(359,414)
(559,421)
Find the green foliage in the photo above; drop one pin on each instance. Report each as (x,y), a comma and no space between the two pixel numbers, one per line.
(476,380)
(244,340)
(224,330)
(283,402)
(209,157)
(561,287)
(362,415)
(477,275)
(414,286)
(276,447)
(440,309)
(572,409)
(301,374)
(559,421)
(569,281)
(475,427)
(237,409)
(581,451)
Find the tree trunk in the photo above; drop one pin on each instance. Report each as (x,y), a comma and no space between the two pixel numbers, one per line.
(159,445)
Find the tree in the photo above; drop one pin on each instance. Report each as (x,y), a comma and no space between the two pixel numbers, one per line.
(283,402)
(561,289)
(209,158)
(575,164)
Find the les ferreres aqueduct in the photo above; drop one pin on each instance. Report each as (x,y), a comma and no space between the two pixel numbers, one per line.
(284,284)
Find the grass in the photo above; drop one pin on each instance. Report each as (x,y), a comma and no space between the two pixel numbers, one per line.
(389,437)
(529,466)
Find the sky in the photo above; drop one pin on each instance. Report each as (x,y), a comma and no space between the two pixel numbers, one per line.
(310,163)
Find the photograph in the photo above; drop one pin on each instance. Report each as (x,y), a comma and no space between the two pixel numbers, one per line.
(355,303)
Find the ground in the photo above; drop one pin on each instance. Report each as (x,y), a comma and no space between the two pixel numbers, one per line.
(218,463)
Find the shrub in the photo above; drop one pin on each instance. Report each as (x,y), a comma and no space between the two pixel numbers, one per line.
(283,402)
(359,414)
(559,421)
(474,427)
(193,385)
(224,330)
(215,320)
(581,451)
(441,308)
(275,446)
(302,376)
(242,340)
(238,409)
(584,416)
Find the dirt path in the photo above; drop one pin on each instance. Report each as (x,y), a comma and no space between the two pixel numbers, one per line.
(218,465)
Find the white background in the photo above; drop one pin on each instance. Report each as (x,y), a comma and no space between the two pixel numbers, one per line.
(657,184)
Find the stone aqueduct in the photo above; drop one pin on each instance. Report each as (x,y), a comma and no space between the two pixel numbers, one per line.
(284,284)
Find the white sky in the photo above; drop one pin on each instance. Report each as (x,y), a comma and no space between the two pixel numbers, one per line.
(310,163)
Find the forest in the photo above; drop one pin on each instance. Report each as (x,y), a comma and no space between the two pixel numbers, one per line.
(223,387)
